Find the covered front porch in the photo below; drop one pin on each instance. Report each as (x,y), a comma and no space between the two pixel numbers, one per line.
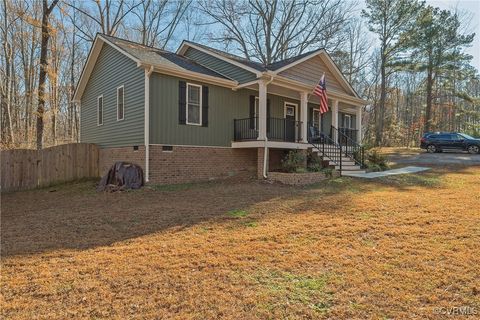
(288,115)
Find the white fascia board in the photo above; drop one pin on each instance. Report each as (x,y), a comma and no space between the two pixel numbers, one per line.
(288,66)
(92,60)
(88,68)
(330,64)
(192,75)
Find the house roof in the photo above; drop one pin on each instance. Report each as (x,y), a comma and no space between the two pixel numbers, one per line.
(249,63)
(282,63)
(155,56)
(254,64)
(178,64)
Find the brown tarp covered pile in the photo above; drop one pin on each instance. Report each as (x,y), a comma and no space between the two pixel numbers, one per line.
(122,176)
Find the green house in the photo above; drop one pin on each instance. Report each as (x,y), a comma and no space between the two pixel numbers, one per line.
(200,113)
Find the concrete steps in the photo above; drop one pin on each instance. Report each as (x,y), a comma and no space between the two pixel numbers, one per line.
(348,164)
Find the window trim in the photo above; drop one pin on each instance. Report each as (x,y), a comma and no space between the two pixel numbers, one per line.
(200,105)
(286,105)
(349,121)
(98,118)
(123,104)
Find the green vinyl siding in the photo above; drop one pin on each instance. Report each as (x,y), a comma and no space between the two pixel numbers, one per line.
(225,105)
(222,67)
(113,69)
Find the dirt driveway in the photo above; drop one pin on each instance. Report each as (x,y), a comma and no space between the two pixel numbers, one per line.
(402,156)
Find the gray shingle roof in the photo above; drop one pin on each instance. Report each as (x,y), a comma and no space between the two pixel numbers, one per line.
(151,55)
(155,56)
(253,64)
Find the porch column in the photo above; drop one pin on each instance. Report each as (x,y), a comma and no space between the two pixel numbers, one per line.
(304,115)
(262,110)
(335,119)
(358,124)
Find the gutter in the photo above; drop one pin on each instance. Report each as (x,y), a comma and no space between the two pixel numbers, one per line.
(148,72)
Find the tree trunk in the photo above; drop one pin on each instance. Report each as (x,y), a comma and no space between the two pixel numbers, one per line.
(380,109)
(42,76)
(428,108)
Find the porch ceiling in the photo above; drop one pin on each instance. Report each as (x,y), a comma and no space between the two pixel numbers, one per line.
(288,92)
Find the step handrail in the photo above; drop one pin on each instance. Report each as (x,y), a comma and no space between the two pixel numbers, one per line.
(320,146)
(358,151)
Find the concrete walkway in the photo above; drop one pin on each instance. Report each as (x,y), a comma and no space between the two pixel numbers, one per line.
(371,175)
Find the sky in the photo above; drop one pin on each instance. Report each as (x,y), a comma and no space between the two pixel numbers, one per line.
(473,8)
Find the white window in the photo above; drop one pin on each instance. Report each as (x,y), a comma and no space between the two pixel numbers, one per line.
(100,110)
(194,104)
(120,103)
(347,121)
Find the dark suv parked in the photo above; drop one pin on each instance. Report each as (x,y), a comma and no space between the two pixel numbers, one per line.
(438,141)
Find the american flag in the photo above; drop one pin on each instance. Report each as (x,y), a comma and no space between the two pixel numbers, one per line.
(321,91)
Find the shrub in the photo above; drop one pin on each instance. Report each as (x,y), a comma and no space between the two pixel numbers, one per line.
(313,162)
(375,161)
(328,172)
(293,161)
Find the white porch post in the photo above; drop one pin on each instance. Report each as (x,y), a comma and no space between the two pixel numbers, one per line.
(335,119)
(304,115)
(358,124)
(262,110)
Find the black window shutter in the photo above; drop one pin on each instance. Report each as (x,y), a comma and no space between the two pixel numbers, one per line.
(182,102)
(204,106)
(268,115)
(252,112)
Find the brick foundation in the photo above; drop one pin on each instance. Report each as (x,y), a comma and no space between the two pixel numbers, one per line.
(190,164)
(184,164)
(108,156)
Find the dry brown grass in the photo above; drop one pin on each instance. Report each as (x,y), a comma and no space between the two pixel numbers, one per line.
(392,248)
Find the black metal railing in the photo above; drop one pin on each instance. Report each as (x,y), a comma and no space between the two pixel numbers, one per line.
(344,132)
(329,149)
(351,147)
(278,129)
(282,129)
(245,129)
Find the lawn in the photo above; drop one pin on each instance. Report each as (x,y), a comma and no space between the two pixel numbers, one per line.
(395,248)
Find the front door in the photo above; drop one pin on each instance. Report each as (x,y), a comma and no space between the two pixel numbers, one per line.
(290,123)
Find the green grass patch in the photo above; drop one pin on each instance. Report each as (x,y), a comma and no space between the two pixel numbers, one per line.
(289,289)
(410,180)
(251,224)
(237,213)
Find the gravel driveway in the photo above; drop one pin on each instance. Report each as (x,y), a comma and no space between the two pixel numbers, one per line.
(443,158)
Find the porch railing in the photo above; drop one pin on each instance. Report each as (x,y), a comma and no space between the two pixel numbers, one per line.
(245,129)
(344,132)
(351,147)
(278,129)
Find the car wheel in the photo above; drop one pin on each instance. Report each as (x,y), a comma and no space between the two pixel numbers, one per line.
(431,148)
(473,149)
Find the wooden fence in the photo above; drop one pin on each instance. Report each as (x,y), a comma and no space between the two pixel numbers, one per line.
(27,169)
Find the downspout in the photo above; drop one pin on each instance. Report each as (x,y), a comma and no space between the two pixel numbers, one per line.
(148,72)
(265,151)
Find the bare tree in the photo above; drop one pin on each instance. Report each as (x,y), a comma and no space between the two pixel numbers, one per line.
(47,10)
(158,20)
(269,31)
(107,17)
